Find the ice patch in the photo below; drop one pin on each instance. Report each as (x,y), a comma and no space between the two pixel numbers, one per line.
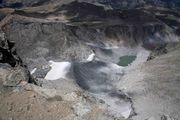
(58,70)
(33,71)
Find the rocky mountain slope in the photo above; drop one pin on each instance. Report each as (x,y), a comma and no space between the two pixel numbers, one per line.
(97,60)
(116,4)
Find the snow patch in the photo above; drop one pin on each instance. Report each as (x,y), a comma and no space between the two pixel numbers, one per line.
(91,57)
(58,70)
(33,71)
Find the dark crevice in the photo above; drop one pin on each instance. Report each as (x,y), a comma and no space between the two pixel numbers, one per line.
(7,57)
(8,53)
(16,5)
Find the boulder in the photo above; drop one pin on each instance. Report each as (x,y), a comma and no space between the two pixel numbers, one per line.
(12,77)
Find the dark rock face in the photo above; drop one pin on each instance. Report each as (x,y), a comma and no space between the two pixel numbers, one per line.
(8,53)
(12,70)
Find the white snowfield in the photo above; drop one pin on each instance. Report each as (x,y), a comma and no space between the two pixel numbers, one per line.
(58,70)
(91,57)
